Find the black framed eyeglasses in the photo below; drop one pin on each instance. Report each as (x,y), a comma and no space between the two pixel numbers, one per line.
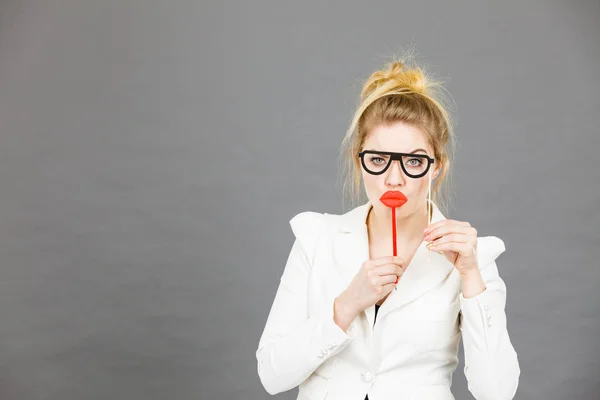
(414,165)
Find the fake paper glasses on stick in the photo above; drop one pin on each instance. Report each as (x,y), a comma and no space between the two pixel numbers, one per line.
(414,166)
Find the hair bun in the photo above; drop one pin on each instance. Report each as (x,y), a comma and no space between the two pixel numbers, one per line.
(380,77)
(396,77)
(395,69)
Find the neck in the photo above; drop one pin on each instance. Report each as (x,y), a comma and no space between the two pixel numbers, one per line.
(409,228)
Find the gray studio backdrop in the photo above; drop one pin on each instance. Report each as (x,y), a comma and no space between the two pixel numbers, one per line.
(153,152)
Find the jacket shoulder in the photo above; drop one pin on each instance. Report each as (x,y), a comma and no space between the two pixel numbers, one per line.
(309,227)
(489,249)
(306,222)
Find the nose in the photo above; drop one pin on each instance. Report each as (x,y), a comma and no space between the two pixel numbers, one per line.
(395,175)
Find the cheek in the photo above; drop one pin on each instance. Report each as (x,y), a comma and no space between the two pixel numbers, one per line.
(371,181)
(423,186)
(416,190)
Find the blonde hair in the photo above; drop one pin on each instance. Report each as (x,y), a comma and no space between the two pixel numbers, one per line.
(400,94)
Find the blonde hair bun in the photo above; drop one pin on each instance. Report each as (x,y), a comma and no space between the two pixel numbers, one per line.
(396,78)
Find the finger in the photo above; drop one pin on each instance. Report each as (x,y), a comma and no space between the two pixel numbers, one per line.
(399,271)
(447,230)
(453,237)
(430,228)
(445,223)
(388,269)
(386,279)
(388,288)
(386,260)
(376,262)
(444,230)
(465,249)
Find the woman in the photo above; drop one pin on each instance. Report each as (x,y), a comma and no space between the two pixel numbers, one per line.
(350,321)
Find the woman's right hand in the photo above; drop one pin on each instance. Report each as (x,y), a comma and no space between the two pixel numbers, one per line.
(374,281)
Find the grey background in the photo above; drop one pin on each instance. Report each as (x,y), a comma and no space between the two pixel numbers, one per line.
(152,154)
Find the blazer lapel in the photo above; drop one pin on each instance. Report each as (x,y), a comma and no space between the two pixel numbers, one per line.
(351,250)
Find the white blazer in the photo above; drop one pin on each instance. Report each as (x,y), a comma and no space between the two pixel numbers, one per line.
(412,350)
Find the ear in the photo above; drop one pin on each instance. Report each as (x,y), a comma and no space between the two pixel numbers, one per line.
(436,172)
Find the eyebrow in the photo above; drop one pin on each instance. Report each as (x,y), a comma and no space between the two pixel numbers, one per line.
(412,152)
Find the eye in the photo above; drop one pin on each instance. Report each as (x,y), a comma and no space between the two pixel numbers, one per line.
(417,163)
(377,160)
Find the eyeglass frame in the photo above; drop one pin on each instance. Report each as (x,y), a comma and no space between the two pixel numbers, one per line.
(396,156)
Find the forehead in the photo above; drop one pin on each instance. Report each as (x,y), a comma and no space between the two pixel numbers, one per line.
(398,137)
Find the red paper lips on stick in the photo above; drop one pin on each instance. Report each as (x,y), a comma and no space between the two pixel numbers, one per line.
(393,199)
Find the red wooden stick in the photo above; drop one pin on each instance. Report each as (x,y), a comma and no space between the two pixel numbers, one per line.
(394,234)
(393,199)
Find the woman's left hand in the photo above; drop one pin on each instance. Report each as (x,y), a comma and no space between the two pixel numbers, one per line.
(457,240)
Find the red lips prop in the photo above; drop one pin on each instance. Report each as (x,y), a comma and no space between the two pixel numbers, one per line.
(393,199)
